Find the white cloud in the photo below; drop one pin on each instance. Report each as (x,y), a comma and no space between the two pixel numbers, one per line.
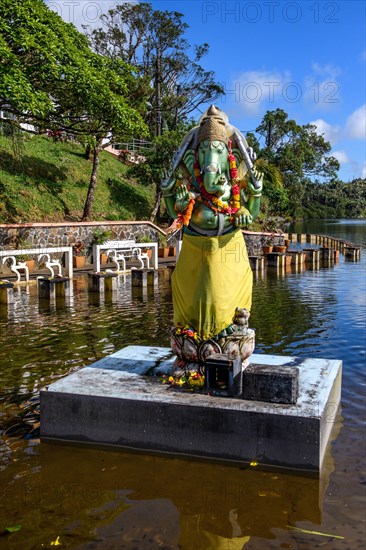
(252,89)
(321,87)
(80,12)
(327,71)
(341,156)
(356,123)
(331,133)
(363,170)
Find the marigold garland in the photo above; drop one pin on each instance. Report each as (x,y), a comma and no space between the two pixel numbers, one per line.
(212,201)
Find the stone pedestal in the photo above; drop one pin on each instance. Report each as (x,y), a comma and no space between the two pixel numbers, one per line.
(312,255)
(327,254)
(6,293)
(144,277)
(256,263)
(351,253)
(297,257)
(102,282)
(114,402)
(49,289)
(272,384)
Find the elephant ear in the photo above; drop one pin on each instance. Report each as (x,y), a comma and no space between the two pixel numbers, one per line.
(186,144)
(242,167)
(188,161)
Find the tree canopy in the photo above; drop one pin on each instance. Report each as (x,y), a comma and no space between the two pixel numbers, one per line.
(298,153)
(173,82)
(51,79)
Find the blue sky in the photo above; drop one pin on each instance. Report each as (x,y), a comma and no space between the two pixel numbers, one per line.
(306,57)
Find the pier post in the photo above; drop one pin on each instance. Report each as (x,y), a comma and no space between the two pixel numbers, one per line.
(102,282)
(144,277)
(49,289)
(6,293)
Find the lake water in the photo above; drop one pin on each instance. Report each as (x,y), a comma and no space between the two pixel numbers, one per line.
(96,499)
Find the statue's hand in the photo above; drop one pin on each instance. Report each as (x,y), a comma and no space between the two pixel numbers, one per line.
(167,185)
(182,198)
(258,177)
(242,217)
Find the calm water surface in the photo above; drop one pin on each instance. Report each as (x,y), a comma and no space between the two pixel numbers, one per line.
(108,500)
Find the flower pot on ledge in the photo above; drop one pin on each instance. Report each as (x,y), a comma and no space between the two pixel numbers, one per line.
(279,248)
(267,249)
(103,259)
(30,265)
(78,261)
(163,252)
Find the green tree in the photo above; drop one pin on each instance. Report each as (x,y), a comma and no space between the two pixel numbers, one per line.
(50,79)
(158,158)
(298,152)
(173,82)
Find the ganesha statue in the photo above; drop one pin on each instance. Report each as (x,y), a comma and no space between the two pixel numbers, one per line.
(214,190)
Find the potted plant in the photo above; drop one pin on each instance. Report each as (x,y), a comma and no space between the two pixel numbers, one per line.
(172,251)
(279,248)
(268,247)
(79,254)
(30,262)
(147,239)
(100,236)
(163,250)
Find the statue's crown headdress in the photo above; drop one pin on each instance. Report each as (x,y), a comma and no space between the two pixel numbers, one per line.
(212,127)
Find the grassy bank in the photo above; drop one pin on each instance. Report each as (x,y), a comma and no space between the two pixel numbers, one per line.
(48,181)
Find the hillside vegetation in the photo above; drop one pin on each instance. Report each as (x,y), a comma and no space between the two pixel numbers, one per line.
(42,180)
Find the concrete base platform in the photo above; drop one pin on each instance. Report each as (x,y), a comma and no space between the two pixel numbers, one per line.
(116,402)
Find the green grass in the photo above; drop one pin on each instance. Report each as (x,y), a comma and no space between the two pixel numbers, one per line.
(49,181)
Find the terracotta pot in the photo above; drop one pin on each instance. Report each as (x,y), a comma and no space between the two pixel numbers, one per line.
(279,248)
(287,243)
(79,261)
(149,253)
(103,259)
(172,251)
(267,249)
(30,265)
(163,252)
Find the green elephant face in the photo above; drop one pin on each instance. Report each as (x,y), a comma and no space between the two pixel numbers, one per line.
(212,157)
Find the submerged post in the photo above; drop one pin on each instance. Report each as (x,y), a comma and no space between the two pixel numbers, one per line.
(50,289)
(102,282)
(6,293)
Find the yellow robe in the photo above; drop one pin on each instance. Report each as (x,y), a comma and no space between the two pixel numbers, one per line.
(212,278)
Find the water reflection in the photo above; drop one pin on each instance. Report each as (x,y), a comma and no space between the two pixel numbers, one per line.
(119,500)
(103,499)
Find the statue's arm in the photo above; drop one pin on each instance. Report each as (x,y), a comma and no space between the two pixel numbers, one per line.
(176,200)
(255,193)
(167,187)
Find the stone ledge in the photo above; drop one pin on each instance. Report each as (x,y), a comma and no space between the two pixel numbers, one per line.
(113,402)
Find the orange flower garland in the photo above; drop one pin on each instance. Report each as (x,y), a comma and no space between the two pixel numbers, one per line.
(212,201)
(185,216)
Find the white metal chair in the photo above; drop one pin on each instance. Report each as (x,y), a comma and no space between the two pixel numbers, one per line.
(141,257)
(17,267)
(51,264)
(117,258)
